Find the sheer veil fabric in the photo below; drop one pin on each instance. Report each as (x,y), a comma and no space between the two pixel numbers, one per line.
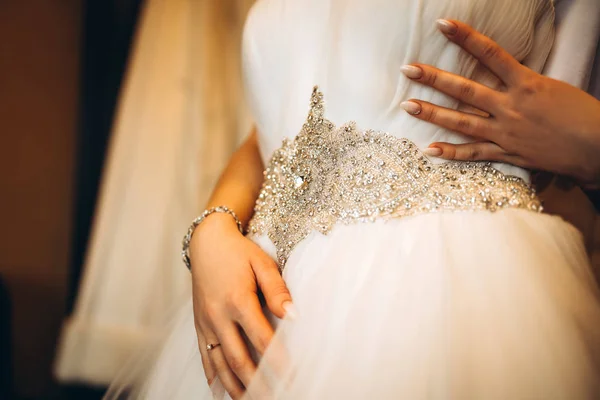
(180,115)
(449,305)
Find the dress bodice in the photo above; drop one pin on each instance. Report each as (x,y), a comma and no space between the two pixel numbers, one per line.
(353,49)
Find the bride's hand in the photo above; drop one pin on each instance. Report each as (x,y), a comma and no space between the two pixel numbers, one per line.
(227,270)
(534,121)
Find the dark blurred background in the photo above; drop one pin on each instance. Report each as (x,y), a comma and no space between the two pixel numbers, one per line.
(61,65)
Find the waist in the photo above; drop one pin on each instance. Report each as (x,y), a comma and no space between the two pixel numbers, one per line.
(330,175)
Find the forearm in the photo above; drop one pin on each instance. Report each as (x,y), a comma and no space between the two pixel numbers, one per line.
(240,182)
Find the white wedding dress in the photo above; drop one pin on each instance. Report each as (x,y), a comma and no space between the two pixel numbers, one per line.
(445,292)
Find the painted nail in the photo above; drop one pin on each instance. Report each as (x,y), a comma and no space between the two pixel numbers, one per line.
(433,151)
(447,27)
(411,107)
(411,71)
(290,310)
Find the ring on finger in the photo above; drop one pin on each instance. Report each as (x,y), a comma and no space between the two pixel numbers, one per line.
(212,346)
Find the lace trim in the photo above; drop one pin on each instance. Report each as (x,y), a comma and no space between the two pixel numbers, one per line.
(330,175)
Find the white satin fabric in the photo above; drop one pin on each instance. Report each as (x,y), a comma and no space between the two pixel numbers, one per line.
(450,305)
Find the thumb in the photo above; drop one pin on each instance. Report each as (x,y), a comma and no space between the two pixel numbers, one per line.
(273,287)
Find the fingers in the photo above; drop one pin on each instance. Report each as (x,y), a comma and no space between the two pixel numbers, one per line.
(456,86)
(235,353)
(260,333)
(209,371)
(251,318)
(478,151)
(468,124)
(220,365)
(488,52)
(237,359)
(230,361)
(273,287)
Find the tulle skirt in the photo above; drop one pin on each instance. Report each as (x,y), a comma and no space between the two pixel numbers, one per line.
(465,305)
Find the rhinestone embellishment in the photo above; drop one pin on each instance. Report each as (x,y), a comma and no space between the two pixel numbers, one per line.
(328,175)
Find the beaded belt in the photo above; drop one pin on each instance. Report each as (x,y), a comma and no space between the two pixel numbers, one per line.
(330,175)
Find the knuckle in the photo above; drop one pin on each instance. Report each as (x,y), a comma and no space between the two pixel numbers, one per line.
(450,153)
(240,312)
(474,153)
(278,289)
(235,302)
(467,91)
(463,125)
(430,78)
(270,264)
(264,262)
(465,37)
(236,363)
(527,88)
(429,114)
(262,342)
(490,50)
(530,87)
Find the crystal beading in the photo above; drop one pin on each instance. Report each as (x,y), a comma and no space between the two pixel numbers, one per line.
(328,175)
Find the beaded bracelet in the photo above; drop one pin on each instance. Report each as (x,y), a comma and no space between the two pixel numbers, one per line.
(185,252)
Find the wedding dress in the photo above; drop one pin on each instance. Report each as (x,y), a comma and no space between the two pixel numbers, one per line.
(413,278)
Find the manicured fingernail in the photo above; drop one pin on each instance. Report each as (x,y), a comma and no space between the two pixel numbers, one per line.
(433,151)
(290,310)
(447,27)
(411,107)
(411,71)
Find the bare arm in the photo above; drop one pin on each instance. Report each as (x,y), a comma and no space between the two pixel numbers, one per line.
(227,271)
(241,180)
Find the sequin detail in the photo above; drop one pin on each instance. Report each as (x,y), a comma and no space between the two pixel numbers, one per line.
(330,175)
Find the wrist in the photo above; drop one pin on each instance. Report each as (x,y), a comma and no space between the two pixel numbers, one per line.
(216,223)
(193,232)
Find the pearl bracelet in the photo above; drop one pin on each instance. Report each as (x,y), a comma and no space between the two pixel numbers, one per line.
(185,252)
